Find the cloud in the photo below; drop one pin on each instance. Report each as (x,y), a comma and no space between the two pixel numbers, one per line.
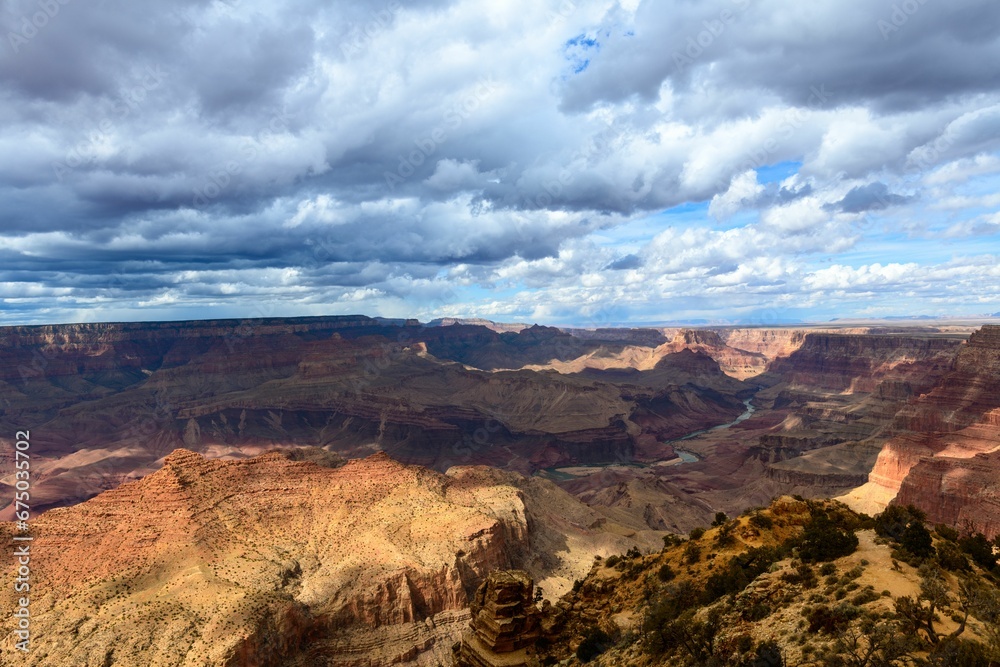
(871,197)
(191,158)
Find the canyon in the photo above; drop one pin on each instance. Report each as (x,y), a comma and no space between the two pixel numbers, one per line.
(271,561)
(337,490)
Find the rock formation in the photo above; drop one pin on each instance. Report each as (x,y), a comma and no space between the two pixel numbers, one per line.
(504,626)
(944,456)
(268,561)
(109,401)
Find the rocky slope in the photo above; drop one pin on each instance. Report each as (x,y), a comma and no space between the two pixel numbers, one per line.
(106,402)
(268,561)
(817,426)
(744,594)
(943,457)
(740,353)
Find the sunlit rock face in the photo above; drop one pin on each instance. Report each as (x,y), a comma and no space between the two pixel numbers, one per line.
(270,561)
(945,457)
(505,624)
(107,402)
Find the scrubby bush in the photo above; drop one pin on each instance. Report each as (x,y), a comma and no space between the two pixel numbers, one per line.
(740,570)
(954,652)
(917,540)
(946,532)
(951,557)
(720,518)
(979,549)
(696,533)
(671,540)
(692,553)
(822,540)
(893,521)
(724,537)
(768,655)
(864,597)
(595,642)
(757,611)
(761,521)
(802,575)
(665,573)
(831,620)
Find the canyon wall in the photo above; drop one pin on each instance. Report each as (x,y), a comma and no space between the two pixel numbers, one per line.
(106,402)
(859,362)
(268,561)
(943,457)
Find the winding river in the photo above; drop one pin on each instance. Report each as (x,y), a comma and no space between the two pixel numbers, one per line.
(683,456)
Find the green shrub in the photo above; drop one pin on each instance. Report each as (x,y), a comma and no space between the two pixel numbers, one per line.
(665,573)
(822,540)
(864,597)
(671,540)
(696,533)
(832,620)
(893,521)
(951,557)
(740,570)
(946,532)
(917,540)
(725,537)
(595,642)
(954,652)
(768,655)
(979,549)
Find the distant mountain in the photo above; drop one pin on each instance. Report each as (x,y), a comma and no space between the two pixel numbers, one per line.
(499,327)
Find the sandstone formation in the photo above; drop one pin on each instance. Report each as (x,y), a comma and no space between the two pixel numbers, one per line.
(505,624)
(269,561)
(108,401)
(943,457)
(647,347)
(818,424)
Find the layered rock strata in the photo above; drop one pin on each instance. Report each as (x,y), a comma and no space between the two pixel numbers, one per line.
(106,402)
(504,626)
(943,457)
(273,562)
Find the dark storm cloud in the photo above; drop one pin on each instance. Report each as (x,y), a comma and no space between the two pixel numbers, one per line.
(900,55)
(381,147)
(871,197)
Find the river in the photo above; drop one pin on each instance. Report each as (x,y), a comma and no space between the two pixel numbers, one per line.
(683,456)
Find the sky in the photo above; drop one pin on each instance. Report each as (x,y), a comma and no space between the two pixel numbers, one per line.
(565,162)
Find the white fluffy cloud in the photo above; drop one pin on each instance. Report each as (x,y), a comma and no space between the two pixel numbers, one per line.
(453,157)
